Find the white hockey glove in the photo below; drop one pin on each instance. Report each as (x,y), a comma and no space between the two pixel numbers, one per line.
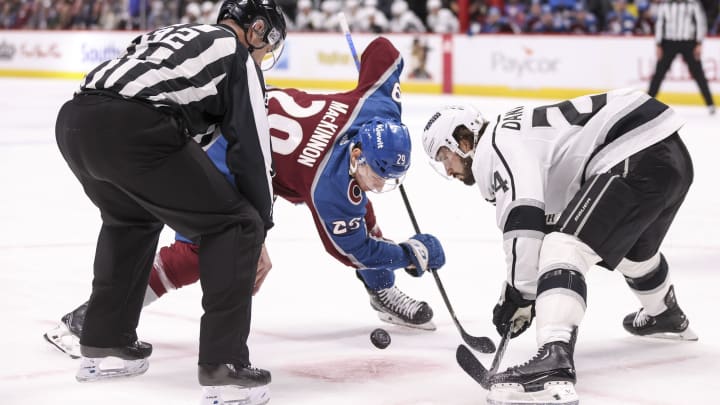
(513,311)
(425,253)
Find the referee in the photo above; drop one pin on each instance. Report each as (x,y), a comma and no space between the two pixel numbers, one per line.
(128,136)
(680,29)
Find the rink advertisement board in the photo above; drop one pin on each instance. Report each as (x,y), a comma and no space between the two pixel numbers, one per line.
(68,54)
(496,65)
(325,61)
(528,64)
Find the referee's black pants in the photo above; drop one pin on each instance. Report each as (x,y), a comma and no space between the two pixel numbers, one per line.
(670,49)
(138,168)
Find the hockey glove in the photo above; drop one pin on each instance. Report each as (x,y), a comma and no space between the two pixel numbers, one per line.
(513,311)
(425,252)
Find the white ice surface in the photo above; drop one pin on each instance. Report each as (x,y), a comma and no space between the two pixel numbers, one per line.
(312,320)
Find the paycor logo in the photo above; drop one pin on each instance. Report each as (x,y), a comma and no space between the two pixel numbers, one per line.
(523,65)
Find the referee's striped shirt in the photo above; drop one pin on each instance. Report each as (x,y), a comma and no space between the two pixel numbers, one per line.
(203,74)
(680,20)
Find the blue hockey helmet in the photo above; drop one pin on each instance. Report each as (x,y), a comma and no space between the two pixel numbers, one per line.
(386,150)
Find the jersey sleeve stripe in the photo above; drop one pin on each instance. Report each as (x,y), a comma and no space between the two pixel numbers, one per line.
(502,158)
(525,217)
(645,113)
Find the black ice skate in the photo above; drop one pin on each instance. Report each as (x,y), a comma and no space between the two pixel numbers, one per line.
(100,363)
(236,384)
(393,306)
(66,335)
(547,378)
(670,324)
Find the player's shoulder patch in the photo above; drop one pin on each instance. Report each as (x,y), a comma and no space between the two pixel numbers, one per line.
(354,192)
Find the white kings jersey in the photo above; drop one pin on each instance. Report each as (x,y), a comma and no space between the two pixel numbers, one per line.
(536,158)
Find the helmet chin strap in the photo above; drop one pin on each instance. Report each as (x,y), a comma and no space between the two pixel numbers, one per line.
(479,134)
(250,47)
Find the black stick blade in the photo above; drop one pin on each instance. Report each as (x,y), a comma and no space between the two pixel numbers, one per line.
(483,344)
(472,366)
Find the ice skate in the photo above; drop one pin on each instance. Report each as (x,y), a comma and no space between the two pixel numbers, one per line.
(393,306)
(99,363)
(670,324)
(231,384)
(547,378)
(66,335)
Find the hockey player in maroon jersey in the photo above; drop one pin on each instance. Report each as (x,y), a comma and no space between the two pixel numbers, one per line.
(614,170)
(328,151)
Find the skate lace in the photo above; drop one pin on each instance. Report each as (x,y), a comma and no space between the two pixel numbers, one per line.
(399,302)
(641,318)
(535,358)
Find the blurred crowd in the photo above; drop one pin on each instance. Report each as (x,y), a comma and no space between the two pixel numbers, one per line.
(616,17)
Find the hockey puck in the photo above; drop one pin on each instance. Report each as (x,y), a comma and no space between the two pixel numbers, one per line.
(380,338)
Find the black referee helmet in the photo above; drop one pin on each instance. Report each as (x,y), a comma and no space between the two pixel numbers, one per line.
(246,12)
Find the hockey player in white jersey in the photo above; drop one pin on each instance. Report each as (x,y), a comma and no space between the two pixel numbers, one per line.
(614,170)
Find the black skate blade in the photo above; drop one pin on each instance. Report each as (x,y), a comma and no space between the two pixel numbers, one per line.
(472,366)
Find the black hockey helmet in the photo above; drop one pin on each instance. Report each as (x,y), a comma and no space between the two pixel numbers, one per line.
(246,12)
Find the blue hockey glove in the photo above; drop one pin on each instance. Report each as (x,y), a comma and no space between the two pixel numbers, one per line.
(425,252)
(513,311)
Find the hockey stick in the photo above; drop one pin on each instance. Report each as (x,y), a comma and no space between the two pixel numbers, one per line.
(479,343)
(475,369)
(348,37)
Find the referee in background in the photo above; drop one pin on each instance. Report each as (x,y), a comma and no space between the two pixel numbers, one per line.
(131,135)
(680,29)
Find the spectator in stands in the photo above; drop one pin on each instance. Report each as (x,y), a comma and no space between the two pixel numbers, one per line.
(403,19)
(138,16)
(330,20)
(477,12)
(715,28)
(419,7)
(582,21)
(533,16)
(207,12)
(548,23)
(441,20)
(372,19)
(600,9)
(619,21)
(115,16)
(162,14)
(645,23)
(192,14)
(16,13)
(353,14)
(561,5)
(307,18)
(711,11)
(563,12)
(497,23)
(516,10)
